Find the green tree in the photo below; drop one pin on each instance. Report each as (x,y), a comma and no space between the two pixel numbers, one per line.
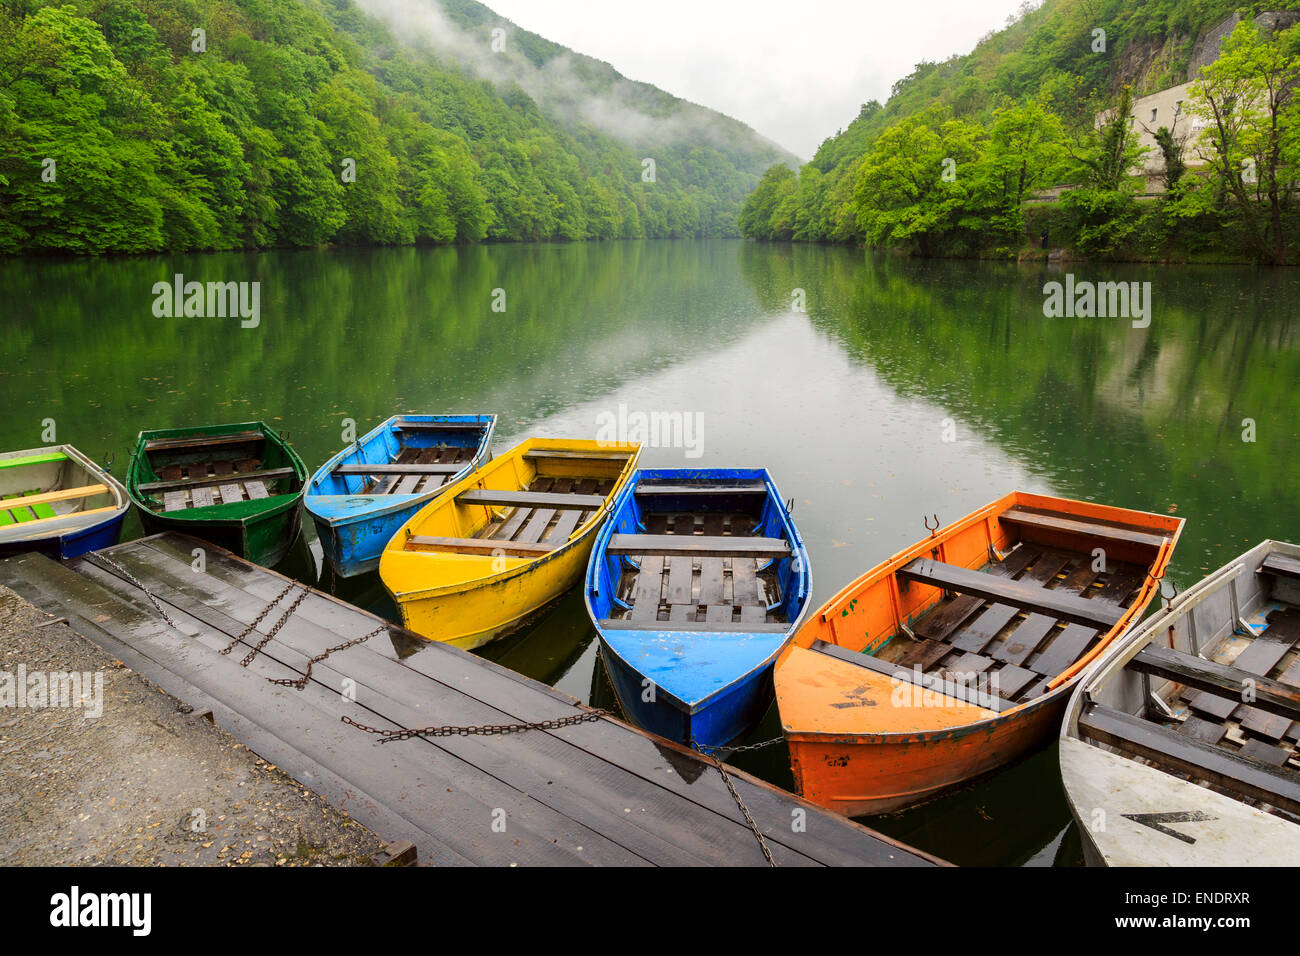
(359,154)
(759,215)
(917,185)
(1252,140)
(1025,152)
(79,176)
(1104,209)
(1172,150)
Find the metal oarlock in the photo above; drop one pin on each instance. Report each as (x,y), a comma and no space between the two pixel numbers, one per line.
(1173,588)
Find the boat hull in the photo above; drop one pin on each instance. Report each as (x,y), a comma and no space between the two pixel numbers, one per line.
(354,547)
(871,729)
(683,678)
(263,538)
(720,720)
(859,776)
(75,533)
(1114,797)
(484,611)
(67,546)
(261,530)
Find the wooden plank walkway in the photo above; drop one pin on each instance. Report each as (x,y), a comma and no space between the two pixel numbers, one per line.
(599,792)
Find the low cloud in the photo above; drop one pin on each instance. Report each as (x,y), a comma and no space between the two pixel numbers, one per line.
(573,88)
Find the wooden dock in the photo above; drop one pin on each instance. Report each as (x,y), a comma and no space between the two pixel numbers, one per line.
(598,792)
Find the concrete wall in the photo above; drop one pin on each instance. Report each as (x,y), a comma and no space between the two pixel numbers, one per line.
(1207,47)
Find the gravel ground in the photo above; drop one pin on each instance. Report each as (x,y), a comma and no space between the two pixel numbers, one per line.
(144,784)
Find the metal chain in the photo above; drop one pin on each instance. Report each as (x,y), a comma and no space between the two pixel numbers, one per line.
(738,750)
(257,620)
(744,810)
(257,648)
(485,730)
(96,558)
(301,682)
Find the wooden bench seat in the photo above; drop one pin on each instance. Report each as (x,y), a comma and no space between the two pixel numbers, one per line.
(541,454)
(647,489)
(1255,660)
(1019,594)
(1185,754)
(209,482)
(1071,524)
(202,441)
(1281,565)
(728,626)
(519,549)
(49,497)
(531,499)
(1221,680)
(699,546)
(945,619)
(404,425)
(980,633)
(397,469)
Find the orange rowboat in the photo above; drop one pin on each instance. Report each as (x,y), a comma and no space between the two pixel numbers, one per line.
(957,656)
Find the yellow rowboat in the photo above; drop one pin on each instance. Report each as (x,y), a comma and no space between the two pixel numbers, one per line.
(504,541)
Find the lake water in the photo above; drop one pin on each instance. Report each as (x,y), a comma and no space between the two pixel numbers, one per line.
(902,389)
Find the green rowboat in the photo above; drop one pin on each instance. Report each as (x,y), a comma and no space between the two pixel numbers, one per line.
(238,486)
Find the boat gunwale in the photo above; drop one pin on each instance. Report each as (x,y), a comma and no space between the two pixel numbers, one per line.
(401,502)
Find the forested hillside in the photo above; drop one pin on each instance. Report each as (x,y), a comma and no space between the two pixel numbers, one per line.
(947,164)
(148,125)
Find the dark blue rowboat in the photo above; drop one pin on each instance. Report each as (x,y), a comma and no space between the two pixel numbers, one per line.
(695,584)
(57,501)
(360,497)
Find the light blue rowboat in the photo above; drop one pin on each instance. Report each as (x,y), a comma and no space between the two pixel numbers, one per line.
(365,493)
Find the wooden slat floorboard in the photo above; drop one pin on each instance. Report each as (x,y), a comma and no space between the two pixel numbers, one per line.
(979,634)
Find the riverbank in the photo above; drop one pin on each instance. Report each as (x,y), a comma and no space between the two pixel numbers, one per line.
(1154,237)
(145,783)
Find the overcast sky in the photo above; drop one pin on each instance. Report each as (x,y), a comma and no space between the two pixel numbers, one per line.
(795,71)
